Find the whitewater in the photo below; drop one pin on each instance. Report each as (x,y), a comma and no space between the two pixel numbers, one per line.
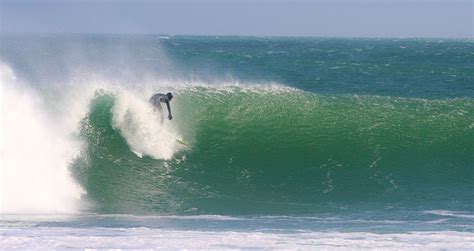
(269,146)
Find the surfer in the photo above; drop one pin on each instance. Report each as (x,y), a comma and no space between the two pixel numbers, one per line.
(159,98)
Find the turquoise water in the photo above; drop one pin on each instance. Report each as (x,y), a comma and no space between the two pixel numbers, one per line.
(425,68)
(288,152)
(292,135)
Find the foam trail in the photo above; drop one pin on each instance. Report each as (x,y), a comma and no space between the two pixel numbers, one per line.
(35,154)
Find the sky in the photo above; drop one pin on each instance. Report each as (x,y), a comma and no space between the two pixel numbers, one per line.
(320,18)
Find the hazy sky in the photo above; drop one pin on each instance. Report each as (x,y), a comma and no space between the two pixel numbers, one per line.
(360,18)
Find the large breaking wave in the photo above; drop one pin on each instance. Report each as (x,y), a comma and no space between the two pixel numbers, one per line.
(272,149)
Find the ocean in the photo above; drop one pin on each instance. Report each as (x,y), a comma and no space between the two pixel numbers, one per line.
(275,142)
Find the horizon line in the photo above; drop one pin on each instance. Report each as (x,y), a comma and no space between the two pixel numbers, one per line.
(231,35)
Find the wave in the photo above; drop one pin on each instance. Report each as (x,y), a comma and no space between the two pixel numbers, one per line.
(273,149)
(230,149)
(237,148)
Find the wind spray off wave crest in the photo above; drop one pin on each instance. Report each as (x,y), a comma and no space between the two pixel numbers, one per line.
(36,151)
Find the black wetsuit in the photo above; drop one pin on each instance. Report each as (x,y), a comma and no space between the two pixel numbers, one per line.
(159,98)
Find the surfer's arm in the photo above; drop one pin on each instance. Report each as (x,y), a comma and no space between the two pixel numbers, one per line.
(169,110)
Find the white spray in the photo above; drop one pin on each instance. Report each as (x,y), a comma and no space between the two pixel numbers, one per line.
(144,129)
(35,154)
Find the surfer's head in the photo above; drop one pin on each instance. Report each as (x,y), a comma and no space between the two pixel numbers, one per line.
(169,95)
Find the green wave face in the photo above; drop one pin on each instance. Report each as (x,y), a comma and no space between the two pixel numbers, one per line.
(274,150)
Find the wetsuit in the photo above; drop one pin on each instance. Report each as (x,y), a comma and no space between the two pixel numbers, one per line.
(159,98)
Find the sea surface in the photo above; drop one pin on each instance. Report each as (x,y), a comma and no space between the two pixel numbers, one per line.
(275,142)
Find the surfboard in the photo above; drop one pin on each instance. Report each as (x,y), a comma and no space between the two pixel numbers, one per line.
(181,142)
